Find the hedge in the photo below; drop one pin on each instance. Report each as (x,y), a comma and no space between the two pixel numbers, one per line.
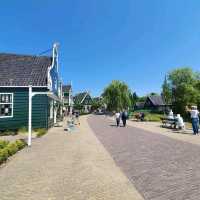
(3,144)
(10,148)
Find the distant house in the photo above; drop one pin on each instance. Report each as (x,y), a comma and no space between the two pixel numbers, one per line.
(156,103)
(67,97)
(85,100)
(18,73)
(139,105)
(153,102)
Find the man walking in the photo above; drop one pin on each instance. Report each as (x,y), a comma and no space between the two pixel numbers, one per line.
(194,113)
(124,117)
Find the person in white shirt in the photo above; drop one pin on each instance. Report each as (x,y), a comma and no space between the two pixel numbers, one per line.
(170,115)
(117,116)
(180,122)
(194,113)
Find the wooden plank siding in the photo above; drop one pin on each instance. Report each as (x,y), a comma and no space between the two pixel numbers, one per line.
(50,122)
(40,110)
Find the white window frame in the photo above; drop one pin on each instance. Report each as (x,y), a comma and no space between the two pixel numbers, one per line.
(12,96)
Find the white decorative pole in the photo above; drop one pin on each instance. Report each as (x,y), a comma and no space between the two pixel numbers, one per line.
(30,116)
(55,111)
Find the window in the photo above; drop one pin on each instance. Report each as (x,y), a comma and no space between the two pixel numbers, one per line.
(66,94)
(6,105)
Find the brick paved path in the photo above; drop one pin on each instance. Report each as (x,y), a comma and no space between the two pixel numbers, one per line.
(161,168)
(65,166)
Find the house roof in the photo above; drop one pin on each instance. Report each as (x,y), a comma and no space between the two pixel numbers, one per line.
(23,70)
(66,88)
(156,100)
(79,98)
(140,104)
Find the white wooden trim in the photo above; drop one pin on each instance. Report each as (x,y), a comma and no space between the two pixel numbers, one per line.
(11,116)
(30,115)
(84,97)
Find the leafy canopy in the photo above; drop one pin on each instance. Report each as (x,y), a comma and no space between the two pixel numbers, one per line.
(182,87)
(117,96)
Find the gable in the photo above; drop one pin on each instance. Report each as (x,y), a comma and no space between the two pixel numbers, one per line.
(82,98)
(154,101)
(87,100)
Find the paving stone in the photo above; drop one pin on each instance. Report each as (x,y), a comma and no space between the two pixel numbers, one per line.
(160,167)
(65,166)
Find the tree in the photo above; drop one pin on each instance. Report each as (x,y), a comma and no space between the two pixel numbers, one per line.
(97,103)
(182,85)
(182,75)
(134,98)
(117,96)
(142,98)
(153,94)
(166,92)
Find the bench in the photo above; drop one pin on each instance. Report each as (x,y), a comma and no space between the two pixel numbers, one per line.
(168,122)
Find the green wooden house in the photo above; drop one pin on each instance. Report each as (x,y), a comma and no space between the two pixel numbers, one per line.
(85,100)
(67,98)
(17,74)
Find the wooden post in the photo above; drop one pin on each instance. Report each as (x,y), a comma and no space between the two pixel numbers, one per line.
(30,116)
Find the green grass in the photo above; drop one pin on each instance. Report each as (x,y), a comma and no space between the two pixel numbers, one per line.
(22,130)
(40,132)
(149,115)
(152,117)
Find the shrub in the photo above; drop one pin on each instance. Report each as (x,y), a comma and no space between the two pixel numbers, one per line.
(20,144)
(8,132)
(12,148)
(3,155)
(41,132)
(8,149)
(3,143)
(22,130)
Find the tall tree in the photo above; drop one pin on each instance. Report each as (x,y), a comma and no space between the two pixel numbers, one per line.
(166,92)
(97,103)
(183,86)
(134,98)
(117,96)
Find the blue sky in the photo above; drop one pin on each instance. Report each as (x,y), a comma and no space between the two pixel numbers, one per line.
(137,41)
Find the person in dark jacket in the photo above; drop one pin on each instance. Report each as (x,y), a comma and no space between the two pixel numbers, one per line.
(124,117)
(77,117)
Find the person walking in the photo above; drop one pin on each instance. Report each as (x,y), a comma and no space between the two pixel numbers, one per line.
(124,117)
(194,113)
(117,116)
(77,118)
